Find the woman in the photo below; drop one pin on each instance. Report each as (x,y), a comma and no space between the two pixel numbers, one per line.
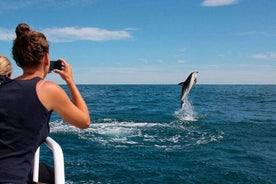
(26,104)
(5,69)
(5,66)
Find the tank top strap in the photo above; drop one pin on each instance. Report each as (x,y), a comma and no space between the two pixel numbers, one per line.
(40,85)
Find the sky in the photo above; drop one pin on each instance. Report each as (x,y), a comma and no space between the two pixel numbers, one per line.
(151,41)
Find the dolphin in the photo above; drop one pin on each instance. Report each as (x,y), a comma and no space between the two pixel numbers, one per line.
(187,85)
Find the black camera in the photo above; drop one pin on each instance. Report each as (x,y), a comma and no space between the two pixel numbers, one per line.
(55,65)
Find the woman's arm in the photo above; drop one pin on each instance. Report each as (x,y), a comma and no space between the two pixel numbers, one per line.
(53,97)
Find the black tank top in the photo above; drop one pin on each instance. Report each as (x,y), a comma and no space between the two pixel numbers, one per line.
(24,125)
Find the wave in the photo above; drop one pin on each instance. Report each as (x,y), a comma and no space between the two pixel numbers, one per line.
(111,132)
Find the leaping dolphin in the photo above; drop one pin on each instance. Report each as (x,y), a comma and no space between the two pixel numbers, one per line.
(187,85)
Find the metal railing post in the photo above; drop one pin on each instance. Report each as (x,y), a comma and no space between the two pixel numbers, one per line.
(58,161)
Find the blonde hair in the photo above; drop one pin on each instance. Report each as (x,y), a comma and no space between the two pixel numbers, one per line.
(5,66)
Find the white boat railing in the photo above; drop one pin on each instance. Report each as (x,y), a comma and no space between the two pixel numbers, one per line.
(58,161)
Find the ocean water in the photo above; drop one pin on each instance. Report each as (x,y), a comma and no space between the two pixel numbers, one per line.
(140,134)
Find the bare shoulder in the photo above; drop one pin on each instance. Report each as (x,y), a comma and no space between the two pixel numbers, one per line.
(51,94)
(48,86)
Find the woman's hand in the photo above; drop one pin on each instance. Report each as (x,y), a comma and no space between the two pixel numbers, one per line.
(66,73)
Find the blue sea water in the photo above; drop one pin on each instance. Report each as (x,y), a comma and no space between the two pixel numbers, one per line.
(139,134)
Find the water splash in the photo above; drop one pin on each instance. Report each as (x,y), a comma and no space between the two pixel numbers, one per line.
(186,113)
(111,132)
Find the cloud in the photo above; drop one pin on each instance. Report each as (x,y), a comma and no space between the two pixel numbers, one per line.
(71,34)
(218,2)
(180,55)
(268,56)
(181,61)
(143,60)
(123,75)
(6,34)
(169,74)
(182,50)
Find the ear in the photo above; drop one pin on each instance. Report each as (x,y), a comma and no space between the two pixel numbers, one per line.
(47,59)
(46,63)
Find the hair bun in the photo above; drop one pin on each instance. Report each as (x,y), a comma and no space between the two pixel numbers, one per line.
(21,29)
